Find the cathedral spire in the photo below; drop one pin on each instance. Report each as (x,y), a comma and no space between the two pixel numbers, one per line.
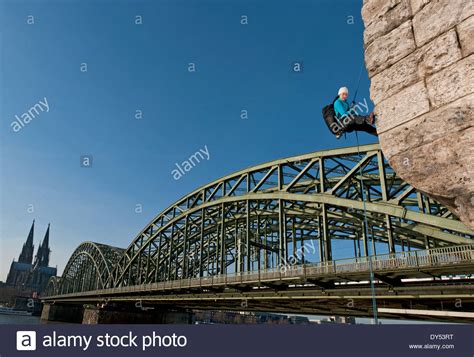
(26,255)
(42,256)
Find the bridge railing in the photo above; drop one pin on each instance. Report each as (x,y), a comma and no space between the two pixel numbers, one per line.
(392,261)
(453,255)
(409,259)
(442,256)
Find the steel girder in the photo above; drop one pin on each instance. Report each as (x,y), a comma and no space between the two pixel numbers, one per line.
(263,216)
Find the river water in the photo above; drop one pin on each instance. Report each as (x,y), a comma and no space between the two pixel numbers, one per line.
(19,320)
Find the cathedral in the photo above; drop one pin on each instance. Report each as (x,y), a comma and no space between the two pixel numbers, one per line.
(31,274)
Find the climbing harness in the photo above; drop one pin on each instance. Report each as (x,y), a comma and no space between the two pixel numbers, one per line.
(330,116)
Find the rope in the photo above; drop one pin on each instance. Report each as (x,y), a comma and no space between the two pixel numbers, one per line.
(355,95)
(366,227)
(358,83)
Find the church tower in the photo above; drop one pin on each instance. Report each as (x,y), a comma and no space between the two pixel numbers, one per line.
(26,255)
(42,256)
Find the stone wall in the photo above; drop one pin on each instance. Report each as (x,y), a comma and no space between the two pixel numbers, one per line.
(122,315)
(62,312)
(419,56)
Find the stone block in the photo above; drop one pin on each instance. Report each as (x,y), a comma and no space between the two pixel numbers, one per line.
(416,5)
(402,107)
(438,54)
(373,9)
(427,60)
(389,49)
(454,117)
(401,75)
(439,16)
(451,83)
(466,36)
(393,18)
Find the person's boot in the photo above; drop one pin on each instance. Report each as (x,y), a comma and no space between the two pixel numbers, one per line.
(371,118)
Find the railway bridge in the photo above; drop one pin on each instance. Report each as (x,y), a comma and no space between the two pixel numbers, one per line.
(326,233)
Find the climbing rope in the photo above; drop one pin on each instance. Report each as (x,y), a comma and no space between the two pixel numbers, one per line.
(358,83)
(366,224)
(366,227)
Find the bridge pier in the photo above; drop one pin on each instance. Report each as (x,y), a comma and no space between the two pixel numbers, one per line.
(62,312)
(123,314)
(114,314)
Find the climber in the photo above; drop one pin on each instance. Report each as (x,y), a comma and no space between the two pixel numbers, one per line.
(349,118)
(342,118)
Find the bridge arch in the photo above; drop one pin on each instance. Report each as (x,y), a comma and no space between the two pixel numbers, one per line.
(89,267)
(52,288)
(266,215)
(299,210)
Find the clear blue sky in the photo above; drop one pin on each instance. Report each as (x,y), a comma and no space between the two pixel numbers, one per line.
(145,67)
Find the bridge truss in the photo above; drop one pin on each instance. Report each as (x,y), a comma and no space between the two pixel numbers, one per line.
(285,213)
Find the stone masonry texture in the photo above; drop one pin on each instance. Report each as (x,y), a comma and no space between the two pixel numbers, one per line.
(420,58)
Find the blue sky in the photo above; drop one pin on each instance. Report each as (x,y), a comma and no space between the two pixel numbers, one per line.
(145,67)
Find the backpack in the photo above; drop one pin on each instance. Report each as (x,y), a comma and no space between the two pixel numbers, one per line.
(329,116)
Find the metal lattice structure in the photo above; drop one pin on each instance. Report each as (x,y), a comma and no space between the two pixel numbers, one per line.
(52,287)
(266,216)
(89,268)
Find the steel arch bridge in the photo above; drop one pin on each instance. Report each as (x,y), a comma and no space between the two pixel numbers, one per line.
(89,268)
(303,210)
